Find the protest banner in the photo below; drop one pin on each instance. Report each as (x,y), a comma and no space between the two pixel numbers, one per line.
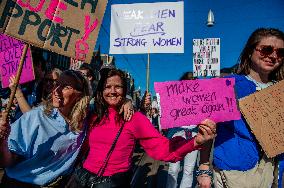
(188,102)
(69,28)
(264,112)
(206,57)
(147,28)
(10,55)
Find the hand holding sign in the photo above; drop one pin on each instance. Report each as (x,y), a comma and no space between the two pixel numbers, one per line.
(206,132)
(12,82)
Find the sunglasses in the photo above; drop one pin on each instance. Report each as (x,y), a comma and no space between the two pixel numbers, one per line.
(267,50)
(62,85)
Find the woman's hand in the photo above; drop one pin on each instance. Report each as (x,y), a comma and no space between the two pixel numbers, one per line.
(206,132)
(204,181)
(147,100)
(127,110)
(12,83)
(146,103)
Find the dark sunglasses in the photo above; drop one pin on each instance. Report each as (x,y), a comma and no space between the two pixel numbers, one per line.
(267,50)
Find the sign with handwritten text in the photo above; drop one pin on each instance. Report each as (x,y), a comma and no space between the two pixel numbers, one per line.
(188,102)
(10,55)
(147,28)
(206,57)
(66,27)
(264,112)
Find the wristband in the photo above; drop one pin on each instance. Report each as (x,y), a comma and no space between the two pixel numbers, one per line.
(207,172)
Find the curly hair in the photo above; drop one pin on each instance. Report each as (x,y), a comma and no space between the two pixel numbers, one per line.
(80,109)
(244,60)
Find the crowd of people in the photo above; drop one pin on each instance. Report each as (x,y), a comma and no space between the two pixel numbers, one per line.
(66,131)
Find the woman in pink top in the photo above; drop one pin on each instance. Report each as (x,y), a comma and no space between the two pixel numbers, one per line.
(112,161)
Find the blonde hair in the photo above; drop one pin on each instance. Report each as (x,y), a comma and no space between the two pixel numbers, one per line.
(78,113)
(79,110)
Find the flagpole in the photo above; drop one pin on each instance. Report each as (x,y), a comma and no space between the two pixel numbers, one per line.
(148,73)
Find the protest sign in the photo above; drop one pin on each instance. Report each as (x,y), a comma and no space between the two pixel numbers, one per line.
(147,28)
(189,102)
(206,57)
(10,55)
(69,28)
(264,112)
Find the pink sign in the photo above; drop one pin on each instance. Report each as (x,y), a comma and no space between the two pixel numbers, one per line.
(188,102)
(10,55)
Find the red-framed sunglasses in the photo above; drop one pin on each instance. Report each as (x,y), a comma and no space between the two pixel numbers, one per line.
(266,50)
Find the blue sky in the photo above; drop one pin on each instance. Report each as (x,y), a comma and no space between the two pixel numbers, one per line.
(235,20)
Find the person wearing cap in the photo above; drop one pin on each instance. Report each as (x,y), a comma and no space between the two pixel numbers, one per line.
(44,92)
(44,152)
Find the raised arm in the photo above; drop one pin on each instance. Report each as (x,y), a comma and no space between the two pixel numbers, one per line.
(23,104)
(145,103)
(161,148)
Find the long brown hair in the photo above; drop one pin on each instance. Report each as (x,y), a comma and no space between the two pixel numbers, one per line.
(254,39)
(101,109)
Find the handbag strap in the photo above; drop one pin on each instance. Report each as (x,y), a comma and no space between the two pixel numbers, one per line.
(102,169)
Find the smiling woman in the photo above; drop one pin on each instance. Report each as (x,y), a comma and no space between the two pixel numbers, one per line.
(42,146)
(113,91)
(112,140)
(71,96)
(238,159)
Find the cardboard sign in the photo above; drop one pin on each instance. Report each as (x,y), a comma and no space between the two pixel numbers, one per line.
(206,57)
(10,55)
(147,28)
(69,28)
(264,112)
(188,102)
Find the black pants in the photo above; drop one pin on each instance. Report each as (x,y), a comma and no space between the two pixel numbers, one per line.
(82,178)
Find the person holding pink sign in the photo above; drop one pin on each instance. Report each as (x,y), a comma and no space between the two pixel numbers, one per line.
(189,161)
(112,140)
(238,159)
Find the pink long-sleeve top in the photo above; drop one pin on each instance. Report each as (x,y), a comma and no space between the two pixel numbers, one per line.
(139,128)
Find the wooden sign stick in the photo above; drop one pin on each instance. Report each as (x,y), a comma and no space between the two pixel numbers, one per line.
(18,75)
